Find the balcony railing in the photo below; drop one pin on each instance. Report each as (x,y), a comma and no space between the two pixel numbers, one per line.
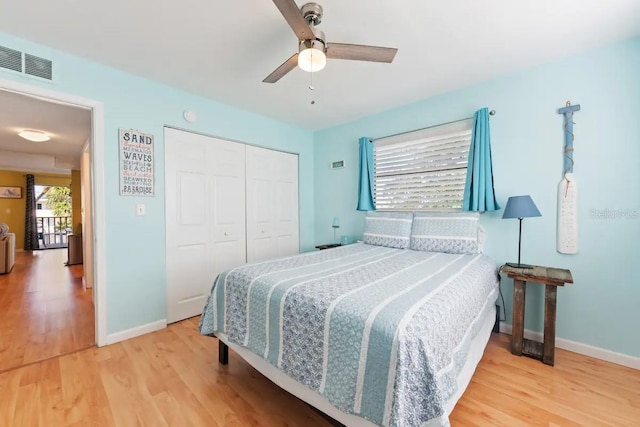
(53,230)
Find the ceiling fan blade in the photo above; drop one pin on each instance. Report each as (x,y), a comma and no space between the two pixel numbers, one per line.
(280,72)
(291,12)
(360,52)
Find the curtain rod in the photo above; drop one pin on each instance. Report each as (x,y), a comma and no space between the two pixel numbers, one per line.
(48,175)
(491,113)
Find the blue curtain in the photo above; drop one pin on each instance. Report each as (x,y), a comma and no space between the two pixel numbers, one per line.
(365,184)
(479,194)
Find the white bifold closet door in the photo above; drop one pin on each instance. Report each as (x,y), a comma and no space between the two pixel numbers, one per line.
(272,204)
(205,217)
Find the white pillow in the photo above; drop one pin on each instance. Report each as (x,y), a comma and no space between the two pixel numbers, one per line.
(454,232)
(482,237)
(390,229)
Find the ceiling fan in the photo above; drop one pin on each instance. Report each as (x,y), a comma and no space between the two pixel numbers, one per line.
(314,50)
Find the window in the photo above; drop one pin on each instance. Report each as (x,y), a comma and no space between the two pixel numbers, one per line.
(422,170)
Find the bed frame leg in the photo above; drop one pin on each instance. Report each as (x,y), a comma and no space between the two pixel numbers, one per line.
(223,353)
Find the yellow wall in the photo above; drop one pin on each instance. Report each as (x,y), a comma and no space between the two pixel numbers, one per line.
(50,179)
(76,201)
(12,211)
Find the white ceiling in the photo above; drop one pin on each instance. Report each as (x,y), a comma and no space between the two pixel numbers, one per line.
(69,128)
(223,49)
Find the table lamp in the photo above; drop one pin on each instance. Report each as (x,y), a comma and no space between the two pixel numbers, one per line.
(520,207)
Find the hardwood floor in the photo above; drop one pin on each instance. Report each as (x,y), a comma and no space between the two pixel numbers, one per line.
(508,390)
(172,378)
(44,309)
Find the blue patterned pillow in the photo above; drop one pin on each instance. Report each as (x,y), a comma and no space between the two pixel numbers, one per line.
(453,233)
(390,229)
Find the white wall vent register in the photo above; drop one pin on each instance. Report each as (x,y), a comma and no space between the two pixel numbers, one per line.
(25,63)
(10,59)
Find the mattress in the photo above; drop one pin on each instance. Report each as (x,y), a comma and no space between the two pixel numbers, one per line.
(380,333)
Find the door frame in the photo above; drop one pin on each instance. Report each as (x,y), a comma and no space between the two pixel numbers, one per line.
(97,189)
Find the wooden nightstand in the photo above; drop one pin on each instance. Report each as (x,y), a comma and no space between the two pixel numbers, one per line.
(551,278)
(328,246)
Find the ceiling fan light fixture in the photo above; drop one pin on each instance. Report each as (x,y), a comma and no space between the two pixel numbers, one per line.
(34,135)
(313,49)
(311,56)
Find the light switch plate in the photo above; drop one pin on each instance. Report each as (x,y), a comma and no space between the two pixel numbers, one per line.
(141,210)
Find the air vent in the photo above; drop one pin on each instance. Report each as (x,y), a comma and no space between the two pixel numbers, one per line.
(39,67)
(25,63)
(10,59)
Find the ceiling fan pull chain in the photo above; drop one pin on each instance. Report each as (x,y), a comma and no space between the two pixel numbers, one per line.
(312,88)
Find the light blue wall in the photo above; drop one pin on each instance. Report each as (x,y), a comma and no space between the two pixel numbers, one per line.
(135,246)
(601,308)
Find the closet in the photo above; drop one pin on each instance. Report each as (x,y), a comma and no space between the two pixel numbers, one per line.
(226,204)
(272,203)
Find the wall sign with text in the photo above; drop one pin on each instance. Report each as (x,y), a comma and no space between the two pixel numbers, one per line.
(136,163)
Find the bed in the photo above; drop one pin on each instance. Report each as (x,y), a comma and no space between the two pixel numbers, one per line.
(366,333)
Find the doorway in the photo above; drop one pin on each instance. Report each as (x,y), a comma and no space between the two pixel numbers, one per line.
(69,292)
(55,214)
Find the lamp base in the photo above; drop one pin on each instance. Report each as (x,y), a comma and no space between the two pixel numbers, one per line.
(518,265)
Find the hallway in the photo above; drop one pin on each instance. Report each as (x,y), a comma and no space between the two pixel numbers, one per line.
(44,309)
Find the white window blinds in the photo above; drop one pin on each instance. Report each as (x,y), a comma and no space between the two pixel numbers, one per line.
(422,170)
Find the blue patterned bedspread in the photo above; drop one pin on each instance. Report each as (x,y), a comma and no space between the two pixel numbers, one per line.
(381,333)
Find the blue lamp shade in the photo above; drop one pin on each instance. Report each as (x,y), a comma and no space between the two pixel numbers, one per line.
(336,222)
(520,207)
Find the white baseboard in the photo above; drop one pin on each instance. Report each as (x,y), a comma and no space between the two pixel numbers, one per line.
(578,347)
(136,332)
